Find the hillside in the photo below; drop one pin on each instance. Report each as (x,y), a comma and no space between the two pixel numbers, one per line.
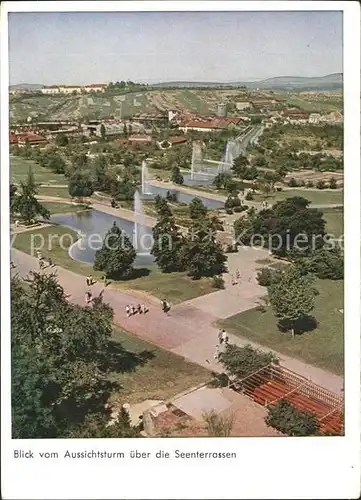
(326,82)
(116,105)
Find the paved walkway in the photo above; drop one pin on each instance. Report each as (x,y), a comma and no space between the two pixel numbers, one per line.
(187,331)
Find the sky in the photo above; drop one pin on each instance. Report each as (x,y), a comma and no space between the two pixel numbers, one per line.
(149,47)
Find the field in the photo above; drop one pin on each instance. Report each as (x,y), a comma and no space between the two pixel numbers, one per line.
(63,208)
(321,347)
(318,197)
(56,240)
(162,376)
(19,169)
(61,192)
(107,105)
(316,101)
(334,222)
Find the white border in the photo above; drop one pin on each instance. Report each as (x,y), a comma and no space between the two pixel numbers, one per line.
(265,467)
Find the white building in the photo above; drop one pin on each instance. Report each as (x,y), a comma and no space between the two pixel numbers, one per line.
(51,89)
(240,105)
(314,118)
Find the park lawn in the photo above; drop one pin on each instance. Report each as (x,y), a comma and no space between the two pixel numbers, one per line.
(334,222)
(56,240)
(319,197)
(175,287)
(59,192)
(19,169)
(161,377)
(63,208)
(321,347)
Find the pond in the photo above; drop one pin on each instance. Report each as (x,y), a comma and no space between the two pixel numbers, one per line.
(182,197)
(93,225)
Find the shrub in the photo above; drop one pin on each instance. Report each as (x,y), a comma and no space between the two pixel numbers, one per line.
(279,188)
(284,417)
(243,361)
(292,182)
(241,208)
(301,183)
(249,196)
(309,184)
(218,282)
(265,276)
(229,211)
(332,184)
(321,184)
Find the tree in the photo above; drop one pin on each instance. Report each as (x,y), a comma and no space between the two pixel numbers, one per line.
(27,204)
(292,297)
(332,183)
(117,255)
(80,185)
(125,131)
(176,176)
(327,263)
(13,199)
(102,131)
(219,425)
(201,254)
(240,165)
(197,209)
(59,353)
(240,362)
(167,239)
(286,418)
(61,140)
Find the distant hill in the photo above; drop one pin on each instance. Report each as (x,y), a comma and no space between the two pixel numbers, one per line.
(327,82)
(28,86)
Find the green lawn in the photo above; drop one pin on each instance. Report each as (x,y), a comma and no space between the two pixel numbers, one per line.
(317,197)
(55,240)
(176,287)
(317,105)
(63,208)
(334,220)
(162,376)
(19,168)
(60,192)
(321,347)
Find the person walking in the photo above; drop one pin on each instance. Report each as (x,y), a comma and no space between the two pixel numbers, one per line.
(87,280)
(139,309)
(220,336)
(144,309)
(127,311)
(216,354)
(88,297)
(165,306)
(132,310)
(225,337)
(238,275)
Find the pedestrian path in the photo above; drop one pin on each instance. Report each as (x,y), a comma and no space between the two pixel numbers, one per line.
(186,331)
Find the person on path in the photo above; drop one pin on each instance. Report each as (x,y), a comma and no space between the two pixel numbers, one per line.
(216,354)
(220,336)
(225,337)
(41,264)
(144,309)
(238,275)
(127,311)
(139,309)
(88,297)
(91,281)
(165,306)
(87,280)
(132,310)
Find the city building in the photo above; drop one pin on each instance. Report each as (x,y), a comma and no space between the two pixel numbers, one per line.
(222,110)
(314,118)
(211,125)
(27,138)
(241,105)
(139,139)
(71,89)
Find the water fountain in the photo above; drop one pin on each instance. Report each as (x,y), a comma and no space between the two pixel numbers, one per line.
(227,159)
(145,179)
(196,165)
(140,230)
